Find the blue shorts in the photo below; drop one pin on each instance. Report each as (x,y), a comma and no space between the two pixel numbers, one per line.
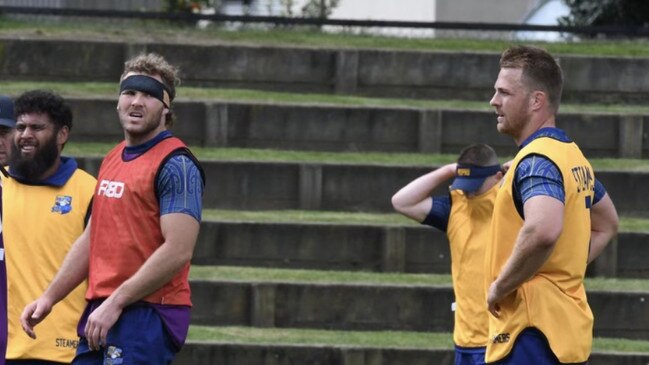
(531,347)
(469,355)
(138,337)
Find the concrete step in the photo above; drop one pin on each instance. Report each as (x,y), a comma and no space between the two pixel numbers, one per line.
(315,301)
(211,353)
(370,247)
(250,185)
(359,129)
(413,74)
(254,345)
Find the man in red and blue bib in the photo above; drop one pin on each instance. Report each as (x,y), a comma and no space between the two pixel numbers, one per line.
(136,252)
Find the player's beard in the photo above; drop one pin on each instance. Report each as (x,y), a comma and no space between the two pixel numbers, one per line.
(32,168)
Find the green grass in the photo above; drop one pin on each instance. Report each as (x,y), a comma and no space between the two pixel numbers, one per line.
(627,224)
(634,224)
(109,90)
(369,339)
(160,31)
(365,158)
(375,339)
(245,274)
(252,274)
(306,216)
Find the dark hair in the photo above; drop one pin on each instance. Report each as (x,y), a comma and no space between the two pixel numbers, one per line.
(478,154)
(45,102)
(540,71)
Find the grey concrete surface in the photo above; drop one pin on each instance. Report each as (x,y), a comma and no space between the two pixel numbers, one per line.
(200,353)
(371,248)
(377,307)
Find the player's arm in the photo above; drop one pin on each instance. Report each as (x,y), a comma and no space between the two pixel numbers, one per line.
(603,222)
(533,246)
(539,194)
(73,271)
(414,200)
(179,227)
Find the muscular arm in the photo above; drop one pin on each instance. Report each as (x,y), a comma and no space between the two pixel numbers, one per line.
(72,272)
(534,244)
(414,200)
(604,223)
(181,188)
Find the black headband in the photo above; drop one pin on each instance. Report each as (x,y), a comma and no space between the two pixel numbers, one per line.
(146,84)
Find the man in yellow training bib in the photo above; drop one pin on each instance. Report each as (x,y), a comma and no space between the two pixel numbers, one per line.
(465,215)
(541,235)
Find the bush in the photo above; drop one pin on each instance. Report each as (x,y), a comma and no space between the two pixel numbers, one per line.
(606,13)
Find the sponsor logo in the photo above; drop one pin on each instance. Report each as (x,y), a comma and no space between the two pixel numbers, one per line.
(62,204)
(113,356)
(501,338)
(463,172)
(67,343)
(111,189)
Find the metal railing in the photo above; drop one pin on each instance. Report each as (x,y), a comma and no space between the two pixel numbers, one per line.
(627,31)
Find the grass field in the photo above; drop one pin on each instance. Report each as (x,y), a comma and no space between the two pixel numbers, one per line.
(371,339)
(253,274)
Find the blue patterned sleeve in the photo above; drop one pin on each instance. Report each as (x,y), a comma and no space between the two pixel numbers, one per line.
(439,213)
(180,187)
(538,175)
(600,191)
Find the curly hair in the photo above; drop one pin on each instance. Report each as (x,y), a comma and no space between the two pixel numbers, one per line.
(45,102)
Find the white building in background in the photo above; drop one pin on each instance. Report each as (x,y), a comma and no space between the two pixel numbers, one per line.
(544,12)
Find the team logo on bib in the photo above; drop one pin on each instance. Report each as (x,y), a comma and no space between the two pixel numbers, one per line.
(62,204)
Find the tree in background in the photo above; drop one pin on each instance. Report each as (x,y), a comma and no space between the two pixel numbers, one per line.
(606,12)
(319,8)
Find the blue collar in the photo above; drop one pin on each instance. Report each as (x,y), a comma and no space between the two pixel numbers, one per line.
(131,152)
(67,167)
(550,132)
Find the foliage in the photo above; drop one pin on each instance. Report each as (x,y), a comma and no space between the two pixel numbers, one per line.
(188,6)
(606,13)
(319,8)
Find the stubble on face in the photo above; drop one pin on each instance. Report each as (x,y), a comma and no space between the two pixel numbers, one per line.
(513,108)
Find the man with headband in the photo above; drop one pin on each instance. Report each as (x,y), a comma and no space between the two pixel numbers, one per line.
(465,215)
(145,219)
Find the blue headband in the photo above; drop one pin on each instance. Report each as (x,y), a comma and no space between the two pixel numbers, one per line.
(146,84)
(470,178)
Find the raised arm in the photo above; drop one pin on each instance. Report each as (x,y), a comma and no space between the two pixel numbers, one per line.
(414,200)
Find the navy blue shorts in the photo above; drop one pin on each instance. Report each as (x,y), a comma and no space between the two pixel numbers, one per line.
(531,347)
(138,337)
(469,356)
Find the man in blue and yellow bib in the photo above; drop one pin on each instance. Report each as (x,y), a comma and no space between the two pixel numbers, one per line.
(465,215)
(46,205)
(541,226)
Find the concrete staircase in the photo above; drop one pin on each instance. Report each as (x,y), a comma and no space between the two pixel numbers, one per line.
(376,249)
